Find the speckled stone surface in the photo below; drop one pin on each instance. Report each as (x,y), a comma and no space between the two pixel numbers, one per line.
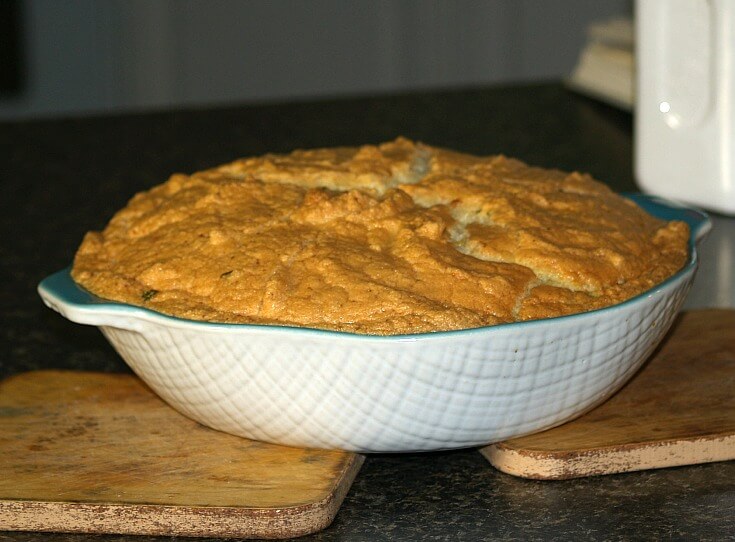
(60,178)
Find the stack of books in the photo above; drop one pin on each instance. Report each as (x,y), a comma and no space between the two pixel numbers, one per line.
(606,66)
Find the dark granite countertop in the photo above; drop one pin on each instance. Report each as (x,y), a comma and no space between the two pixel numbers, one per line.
(61,178)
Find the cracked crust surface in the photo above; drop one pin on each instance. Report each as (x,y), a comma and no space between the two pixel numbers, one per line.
(389,239)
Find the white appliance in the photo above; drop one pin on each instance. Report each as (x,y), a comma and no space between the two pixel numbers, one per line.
(685,107)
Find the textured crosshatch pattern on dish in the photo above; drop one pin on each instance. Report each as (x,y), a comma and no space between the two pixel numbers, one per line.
(453,391)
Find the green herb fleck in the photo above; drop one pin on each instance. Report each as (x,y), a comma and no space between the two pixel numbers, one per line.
(226,274)
(148,294)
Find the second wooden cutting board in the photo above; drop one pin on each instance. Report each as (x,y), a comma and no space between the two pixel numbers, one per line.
(678,410)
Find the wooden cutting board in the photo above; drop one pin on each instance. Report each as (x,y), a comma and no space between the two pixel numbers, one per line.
(678,410)
(100,453)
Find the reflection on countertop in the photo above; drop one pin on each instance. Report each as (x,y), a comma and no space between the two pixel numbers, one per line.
(714,285)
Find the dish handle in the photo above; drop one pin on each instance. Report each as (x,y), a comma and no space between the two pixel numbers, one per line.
(60,293)
(699,222)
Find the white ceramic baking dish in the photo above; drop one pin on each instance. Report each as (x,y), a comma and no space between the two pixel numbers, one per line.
(431,391)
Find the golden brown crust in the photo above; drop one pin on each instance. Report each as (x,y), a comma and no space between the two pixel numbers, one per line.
(389,239)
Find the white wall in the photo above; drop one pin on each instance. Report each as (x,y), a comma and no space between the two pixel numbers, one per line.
(95,55)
